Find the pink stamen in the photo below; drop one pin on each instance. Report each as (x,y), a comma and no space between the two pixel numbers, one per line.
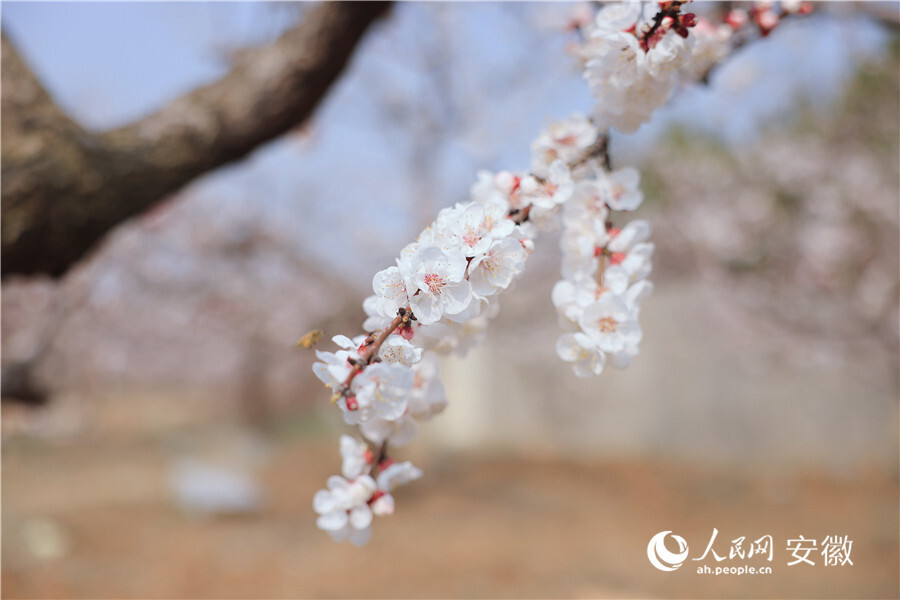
(607,324)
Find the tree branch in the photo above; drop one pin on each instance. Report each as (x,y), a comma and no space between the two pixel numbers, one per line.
(63,188)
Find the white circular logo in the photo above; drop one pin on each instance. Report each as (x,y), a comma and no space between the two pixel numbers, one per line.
(660,556)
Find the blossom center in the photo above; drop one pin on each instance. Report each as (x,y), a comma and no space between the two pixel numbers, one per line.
(607,325)
(491,262)
(434,282)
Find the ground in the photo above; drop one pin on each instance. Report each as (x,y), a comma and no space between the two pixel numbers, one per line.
(477,525)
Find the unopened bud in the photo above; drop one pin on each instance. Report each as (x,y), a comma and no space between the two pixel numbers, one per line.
(736,18)
(766,20)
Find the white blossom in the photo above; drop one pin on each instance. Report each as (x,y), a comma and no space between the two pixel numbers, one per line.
(628,268)
(375,317)
(550,191)
(390,290)
(335,366)
(580,350)
(343,508)
(620,189)
(587,211)
(427,397)
(355,457)
(495,269)
(579,254)
(563,140)
(712,43)
(614,61)
(397,474)
(571,297)
(610,323)
(398,432)
(399,351)
(669,55)
(618,16)
(479,225)
(633,233)
(501,189)
(439,280)
(383,505)
(379,391)
(636,294)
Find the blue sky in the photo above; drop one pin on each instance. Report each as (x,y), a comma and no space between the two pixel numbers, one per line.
(110,62)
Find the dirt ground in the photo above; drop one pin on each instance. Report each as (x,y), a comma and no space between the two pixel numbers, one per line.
(477,525)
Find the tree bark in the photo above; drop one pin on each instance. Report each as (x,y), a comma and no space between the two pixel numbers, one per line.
(64,188)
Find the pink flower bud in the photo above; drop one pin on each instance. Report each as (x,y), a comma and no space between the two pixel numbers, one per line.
(736,18)
(766,20)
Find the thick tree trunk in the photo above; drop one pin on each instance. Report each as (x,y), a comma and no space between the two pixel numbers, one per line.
(63,188)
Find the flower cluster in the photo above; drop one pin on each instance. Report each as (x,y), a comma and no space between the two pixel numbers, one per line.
(443,287)
(634,59)
(437,297)
(440,293)
(604,273)
(632,63)
(346,508)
